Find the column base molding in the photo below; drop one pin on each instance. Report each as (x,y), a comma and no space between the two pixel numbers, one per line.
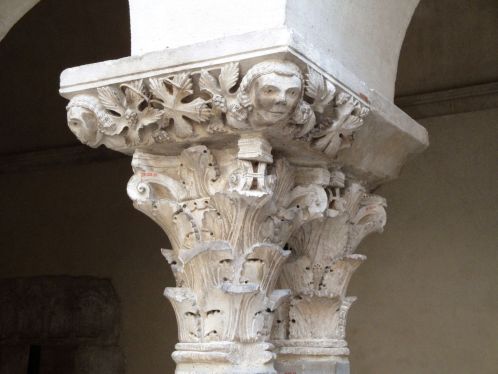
(224,358)
(312,347)
(312,356)
(302,364)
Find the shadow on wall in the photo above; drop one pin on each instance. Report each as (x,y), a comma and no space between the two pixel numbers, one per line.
(59,324)
(51,37)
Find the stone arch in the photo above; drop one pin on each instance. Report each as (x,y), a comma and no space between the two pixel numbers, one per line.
(363,17)
(12,11)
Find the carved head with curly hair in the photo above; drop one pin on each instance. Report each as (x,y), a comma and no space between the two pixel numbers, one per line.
(82,119)
(272,92)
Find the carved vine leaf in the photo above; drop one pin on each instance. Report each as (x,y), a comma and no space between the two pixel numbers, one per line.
(219,89)
(335,132)
(209,84)
(171,93)
(198,169)
(320,90)
(125,110)
(350,113)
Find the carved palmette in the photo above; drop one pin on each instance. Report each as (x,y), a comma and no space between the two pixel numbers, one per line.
(227,237)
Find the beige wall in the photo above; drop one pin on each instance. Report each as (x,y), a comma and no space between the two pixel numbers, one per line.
(79,221)
(428,295)
(449,45)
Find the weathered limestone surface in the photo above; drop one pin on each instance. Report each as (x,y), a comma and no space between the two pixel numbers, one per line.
(256,154)
(240,165)
(311,327)
(380,148)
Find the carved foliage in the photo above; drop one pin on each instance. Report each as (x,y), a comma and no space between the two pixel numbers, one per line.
(272,95)
(306,319)
(338,115)
(138,113)
(127,111)
(203,201)
(224,315)
(322,263)
(171,93)
(222,98)
(227,219)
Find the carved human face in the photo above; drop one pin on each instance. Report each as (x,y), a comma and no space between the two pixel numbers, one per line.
(274,98)
(83,124)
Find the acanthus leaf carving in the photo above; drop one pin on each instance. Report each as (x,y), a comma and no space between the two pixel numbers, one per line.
(237,217)
(242,160)
(320,268)
(227,238)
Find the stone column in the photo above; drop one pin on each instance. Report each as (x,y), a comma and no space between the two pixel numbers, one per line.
(257,163)
(310,328)
(228,214)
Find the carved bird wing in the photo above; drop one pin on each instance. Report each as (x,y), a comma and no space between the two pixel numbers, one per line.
(229,76)
(320,90)
(134,93)
(112,99)
(111,121)
(208,83)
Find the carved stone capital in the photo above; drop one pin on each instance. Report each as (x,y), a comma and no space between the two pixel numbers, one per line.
(228,216)
(257,167)
(311,326)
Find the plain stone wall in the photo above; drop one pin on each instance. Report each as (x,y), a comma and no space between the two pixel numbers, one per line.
(449,44)
(427,294)
(364,36)
(79,221)
(75,322)
(160,24)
